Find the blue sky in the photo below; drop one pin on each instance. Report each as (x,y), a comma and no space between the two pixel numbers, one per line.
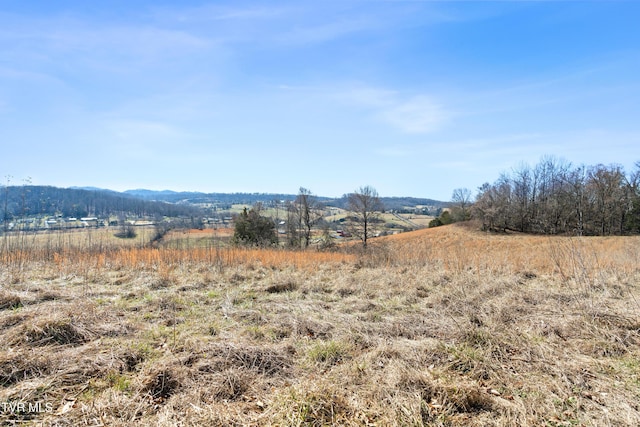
(415,98)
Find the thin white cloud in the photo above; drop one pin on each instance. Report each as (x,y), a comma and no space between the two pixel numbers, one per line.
(127,45)
(278,25)
(212,13)
(407,113)
(62,41)
(309,33)
(419,114)
(415,114)
(294,24)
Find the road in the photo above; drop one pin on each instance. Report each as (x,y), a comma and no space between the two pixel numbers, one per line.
(408,221)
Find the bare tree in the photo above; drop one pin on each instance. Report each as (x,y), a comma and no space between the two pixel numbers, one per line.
(606,185)
(576,183)
(293,225)
(493,204)
(309,212)
(633,186)
(551,204)
(302,215)
(522,191)
(365,207)
(461,199)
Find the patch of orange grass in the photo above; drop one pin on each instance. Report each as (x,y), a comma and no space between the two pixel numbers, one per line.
(458,247)
(165,257)
(455,248)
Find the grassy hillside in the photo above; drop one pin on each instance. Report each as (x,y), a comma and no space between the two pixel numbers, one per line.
(445,326)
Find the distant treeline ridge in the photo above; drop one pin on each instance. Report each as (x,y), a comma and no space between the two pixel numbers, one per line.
(31,200)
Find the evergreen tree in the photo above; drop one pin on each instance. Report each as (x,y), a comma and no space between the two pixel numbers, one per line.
(253,229)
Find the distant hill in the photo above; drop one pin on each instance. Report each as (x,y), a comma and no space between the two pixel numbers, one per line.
(152,194)
(33,200)
(186,197)
(398,204)
(93,189)
(390,203)
(405,203)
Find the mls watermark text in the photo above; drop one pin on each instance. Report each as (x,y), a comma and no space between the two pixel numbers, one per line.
(22,407)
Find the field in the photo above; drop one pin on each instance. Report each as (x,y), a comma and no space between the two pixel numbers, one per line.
(446,327)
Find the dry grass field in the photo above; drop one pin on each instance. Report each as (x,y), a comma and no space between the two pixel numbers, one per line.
(444,327)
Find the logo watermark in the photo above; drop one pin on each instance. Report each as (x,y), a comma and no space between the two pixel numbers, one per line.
(21,407)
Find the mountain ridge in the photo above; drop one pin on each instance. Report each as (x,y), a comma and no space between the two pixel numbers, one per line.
(29,200)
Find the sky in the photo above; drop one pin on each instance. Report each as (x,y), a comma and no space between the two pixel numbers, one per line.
(415,98)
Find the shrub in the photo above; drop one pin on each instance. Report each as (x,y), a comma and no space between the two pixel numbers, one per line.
(127,232)
(253,229)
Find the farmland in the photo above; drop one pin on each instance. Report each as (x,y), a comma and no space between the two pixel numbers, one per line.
(447,326)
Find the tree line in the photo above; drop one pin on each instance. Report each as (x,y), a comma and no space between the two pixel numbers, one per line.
(31,200)
(555,197)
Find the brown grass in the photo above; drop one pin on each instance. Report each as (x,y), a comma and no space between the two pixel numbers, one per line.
(168,258)
(444,327)
(461,247)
